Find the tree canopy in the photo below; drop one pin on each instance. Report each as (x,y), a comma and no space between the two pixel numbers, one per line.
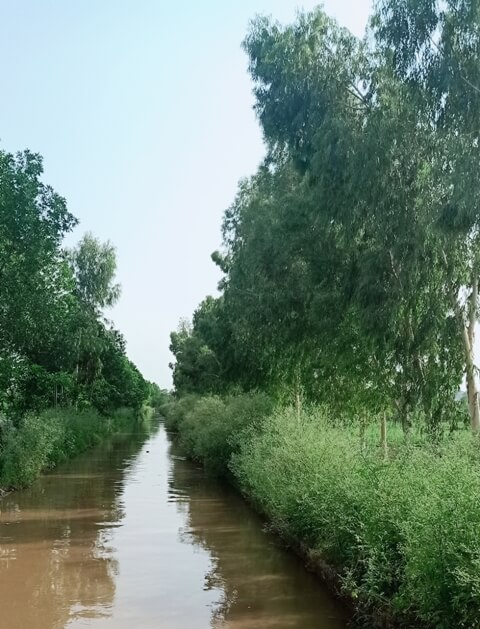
(350,258)
(56,347)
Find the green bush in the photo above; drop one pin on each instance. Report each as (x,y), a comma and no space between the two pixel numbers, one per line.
(402,533)
(41,441)
(211,428)
(26,449)
(176,410)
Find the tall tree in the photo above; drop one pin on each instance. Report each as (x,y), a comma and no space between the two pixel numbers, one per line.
(434,48)
(94,266)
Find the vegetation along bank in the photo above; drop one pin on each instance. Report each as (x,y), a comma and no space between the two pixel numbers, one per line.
(324,378)
(65,379)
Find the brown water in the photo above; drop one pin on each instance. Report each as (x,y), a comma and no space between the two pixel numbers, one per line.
(131,536)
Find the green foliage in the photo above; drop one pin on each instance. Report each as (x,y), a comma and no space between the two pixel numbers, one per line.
(94,265)
(41,441)
(401,531)
(201,351)
(212,428)
(351,273)
(175,411)
(56,348)
(341,277)
(432,49)
(157,398)
(34,279)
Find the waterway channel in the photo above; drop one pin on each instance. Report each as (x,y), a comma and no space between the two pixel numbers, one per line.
(132,536)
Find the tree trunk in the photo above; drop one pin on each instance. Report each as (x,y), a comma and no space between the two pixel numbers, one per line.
(298,403)
(363,429)
(405,412)
(468,343)
(77,368)
(472,389)
(383,435)
(298,393)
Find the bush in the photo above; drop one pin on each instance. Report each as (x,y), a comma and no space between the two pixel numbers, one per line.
(176,410)
(402,534)
(211,428)
(26,449)
(41,441)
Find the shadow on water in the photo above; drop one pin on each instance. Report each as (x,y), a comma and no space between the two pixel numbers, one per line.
(55,538)
(258,583)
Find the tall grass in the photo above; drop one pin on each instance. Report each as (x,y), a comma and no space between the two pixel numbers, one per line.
(402,532)
(41,441)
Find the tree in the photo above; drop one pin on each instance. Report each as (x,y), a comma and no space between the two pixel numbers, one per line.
(196,368)
(55,348)
(434,48)
(352,129)
(94,265)
(33,222)
(346,256)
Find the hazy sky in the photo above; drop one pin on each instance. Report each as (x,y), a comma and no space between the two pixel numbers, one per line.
(142,110)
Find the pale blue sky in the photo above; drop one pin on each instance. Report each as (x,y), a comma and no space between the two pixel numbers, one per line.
(142,110)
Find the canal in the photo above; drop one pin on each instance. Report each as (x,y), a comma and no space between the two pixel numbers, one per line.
(132,536)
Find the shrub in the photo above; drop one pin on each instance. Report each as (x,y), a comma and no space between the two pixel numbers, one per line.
(402,533)
(26,449)
(211,428)
(41,441)
(176,410)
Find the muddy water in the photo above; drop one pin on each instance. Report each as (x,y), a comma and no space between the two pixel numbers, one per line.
(131,536)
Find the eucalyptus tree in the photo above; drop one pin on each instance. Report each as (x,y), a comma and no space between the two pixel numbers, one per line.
(350,128)
(434,49)
(264,288)
(196,368)
(344,256)
(93,265)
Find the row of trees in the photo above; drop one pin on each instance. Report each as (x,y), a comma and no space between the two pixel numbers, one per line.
(56,347)
(351,258)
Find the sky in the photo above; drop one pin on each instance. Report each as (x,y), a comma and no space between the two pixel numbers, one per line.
(142,110)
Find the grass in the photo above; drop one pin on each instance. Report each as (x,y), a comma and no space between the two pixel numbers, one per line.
(44,440)
(402,532)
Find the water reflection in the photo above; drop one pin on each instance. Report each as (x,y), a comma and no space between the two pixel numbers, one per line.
(56,556)
(257,584)
(133,536)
